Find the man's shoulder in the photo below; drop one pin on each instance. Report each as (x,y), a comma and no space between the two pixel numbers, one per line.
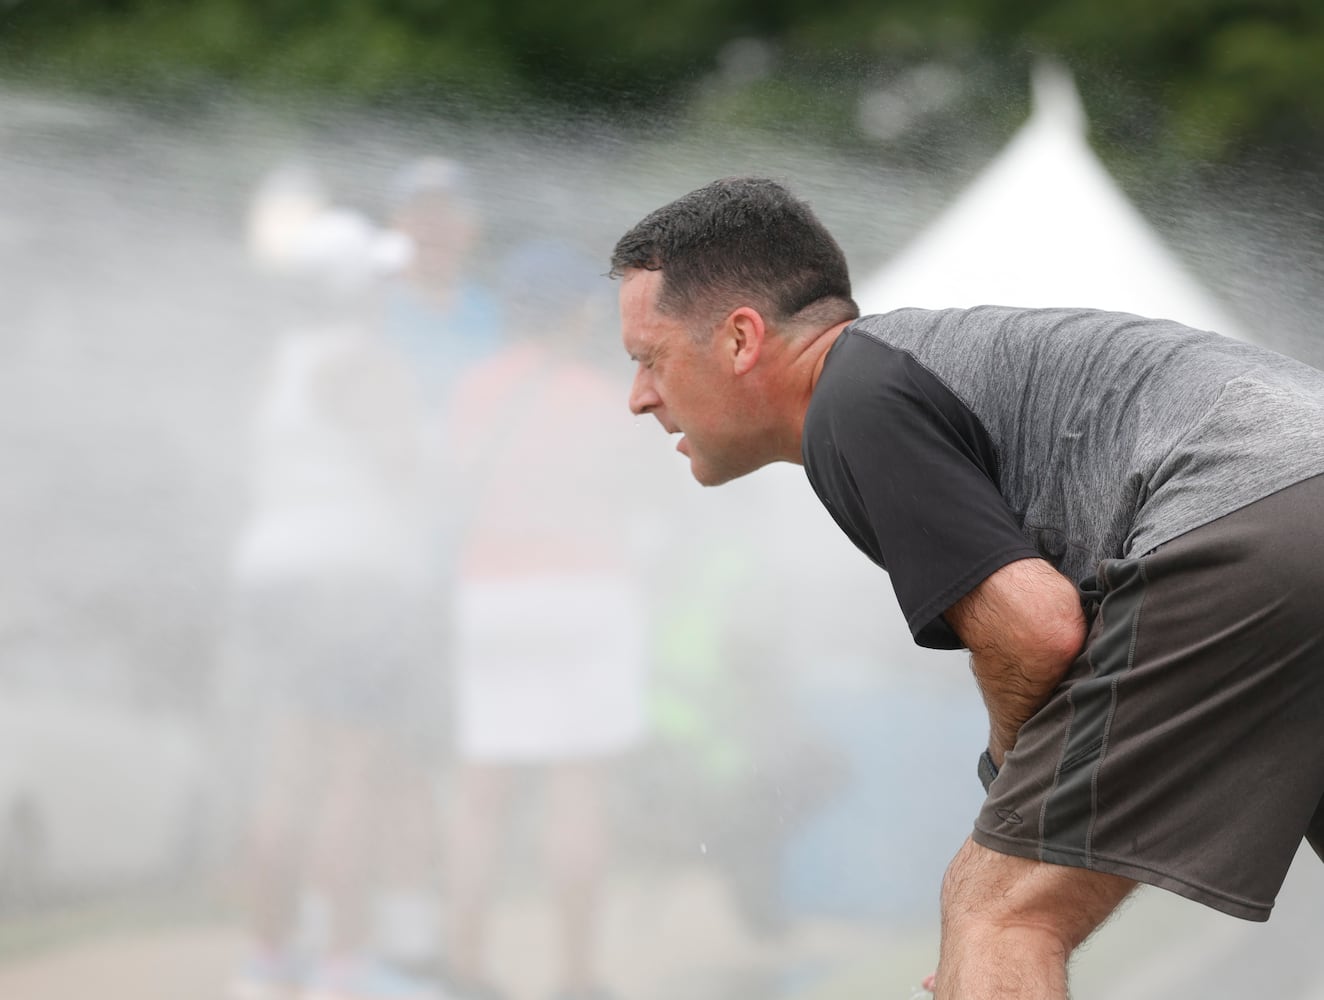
(890,350)
(874,384)
(860,365)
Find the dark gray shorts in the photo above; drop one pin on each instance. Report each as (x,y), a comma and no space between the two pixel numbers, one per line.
(1185,749)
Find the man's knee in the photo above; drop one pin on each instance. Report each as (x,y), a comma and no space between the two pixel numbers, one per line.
(987,891)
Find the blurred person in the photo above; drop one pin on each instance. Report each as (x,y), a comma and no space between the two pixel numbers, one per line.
(439,317)
(437,312)
(549,617)
(1157,724)
(331,590)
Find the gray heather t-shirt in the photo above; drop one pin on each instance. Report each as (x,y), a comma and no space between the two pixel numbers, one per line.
(947,443)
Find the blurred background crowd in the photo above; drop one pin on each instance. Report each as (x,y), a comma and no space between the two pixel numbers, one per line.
(356,642)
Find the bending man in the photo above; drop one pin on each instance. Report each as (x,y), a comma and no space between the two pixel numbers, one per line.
(1157,722)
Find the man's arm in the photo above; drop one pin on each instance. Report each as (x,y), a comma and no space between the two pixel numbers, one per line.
(1023,626)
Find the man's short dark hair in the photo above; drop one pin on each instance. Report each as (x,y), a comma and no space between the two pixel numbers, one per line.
(741,237)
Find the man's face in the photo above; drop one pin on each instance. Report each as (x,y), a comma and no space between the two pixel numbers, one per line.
(689,386)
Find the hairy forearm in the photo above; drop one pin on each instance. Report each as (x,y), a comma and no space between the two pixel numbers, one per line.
(1024,627)
(1013,690)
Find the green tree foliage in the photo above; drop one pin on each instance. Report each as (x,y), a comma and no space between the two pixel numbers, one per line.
(1210,78)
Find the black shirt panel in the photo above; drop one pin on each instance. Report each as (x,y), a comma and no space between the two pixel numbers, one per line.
(910,475)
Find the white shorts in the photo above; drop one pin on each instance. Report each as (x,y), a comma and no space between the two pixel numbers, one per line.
(548,668)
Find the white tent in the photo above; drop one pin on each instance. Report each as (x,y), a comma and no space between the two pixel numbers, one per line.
(1045,225)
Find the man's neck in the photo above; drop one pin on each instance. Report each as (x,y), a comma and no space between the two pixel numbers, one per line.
(803,371)
(820,347)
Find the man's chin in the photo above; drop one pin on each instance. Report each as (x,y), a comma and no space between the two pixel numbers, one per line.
(707,475)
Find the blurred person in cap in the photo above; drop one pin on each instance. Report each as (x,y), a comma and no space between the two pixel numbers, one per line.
(1157,722)
(549,613)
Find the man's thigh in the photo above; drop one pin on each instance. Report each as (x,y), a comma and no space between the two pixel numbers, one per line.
(1182,750)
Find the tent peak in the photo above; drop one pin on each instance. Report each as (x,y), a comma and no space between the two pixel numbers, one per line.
(1055,99)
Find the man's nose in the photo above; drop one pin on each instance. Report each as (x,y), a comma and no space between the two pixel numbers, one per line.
(643,397)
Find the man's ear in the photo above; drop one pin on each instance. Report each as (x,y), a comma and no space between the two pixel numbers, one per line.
(746,331)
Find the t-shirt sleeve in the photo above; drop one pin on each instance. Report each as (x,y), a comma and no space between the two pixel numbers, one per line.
(910,474)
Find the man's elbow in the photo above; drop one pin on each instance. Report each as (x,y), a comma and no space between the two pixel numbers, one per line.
(1054,643)
(1027,614)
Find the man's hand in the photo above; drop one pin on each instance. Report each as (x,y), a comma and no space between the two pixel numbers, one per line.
(1023,626)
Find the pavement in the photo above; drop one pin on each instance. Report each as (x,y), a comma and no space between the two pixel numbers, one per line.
(673,937)
(678,937)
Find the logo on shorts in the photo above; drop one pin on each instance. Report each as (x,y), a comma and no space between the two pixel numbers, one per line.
(1009,816)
